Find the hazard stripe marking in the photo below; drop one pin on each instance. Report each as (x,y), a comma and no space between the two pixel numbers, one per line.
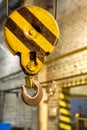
(64,122)
(36,37)
(63,114)
(64,105)
(12,26)
(67,108)
(65,100)
(31,28)
(36,23)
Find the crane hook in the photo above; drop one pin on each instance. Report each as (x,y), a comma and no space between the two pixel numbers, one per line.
(29,100)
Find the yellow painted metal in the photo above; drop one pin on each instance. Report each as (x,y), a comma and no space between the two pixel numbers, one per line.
(18,46)
(65,118)
(41,38)
(29,81)
(36,36)
(47,20)
(63,103)
(65,126)
(66,112)
(64,109)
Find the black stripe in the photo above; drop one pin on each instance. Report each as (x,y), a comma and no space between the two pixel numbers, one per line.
(64,122)
(66,92)
(30,44)
(67,107)
(66,100)
(36,23)
(65,115)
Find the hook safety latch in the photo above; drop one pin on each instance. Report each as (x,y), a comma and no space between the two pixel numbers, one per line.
(32,100)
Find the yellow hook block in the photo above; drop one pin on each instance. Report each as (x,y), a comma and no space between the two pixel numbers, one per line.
(31,29)
(32,33)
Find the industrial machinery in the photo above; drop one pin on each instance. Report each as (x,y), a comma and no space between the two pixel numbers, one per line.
(31,32)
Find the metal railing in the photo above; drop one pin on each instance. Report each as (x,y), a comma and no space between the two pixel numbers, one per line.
(80,122)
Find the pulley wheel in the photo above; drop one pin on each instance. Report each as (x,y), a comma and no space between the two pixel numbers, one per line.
(31,29)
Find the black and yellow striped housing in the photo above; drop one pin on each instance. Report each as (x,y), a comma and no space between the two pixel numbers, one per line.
(64,109)
(29,29)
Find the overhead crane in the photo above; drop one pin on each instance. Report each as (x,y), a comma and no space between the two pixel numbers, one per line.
(32,33)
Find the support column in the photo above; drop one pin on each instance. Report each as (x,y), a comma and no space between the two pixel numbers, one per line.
(43,112)
(64,109)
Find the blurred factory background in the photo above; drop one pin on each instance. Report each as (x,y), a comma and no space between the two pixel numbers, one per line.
(64,72)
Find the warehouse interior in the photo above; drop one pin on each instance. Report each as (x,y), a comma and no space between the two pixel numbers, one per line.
(63,77)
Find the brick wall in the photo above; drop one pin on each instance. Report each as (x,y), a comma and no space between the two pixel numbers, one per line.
(70,56)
